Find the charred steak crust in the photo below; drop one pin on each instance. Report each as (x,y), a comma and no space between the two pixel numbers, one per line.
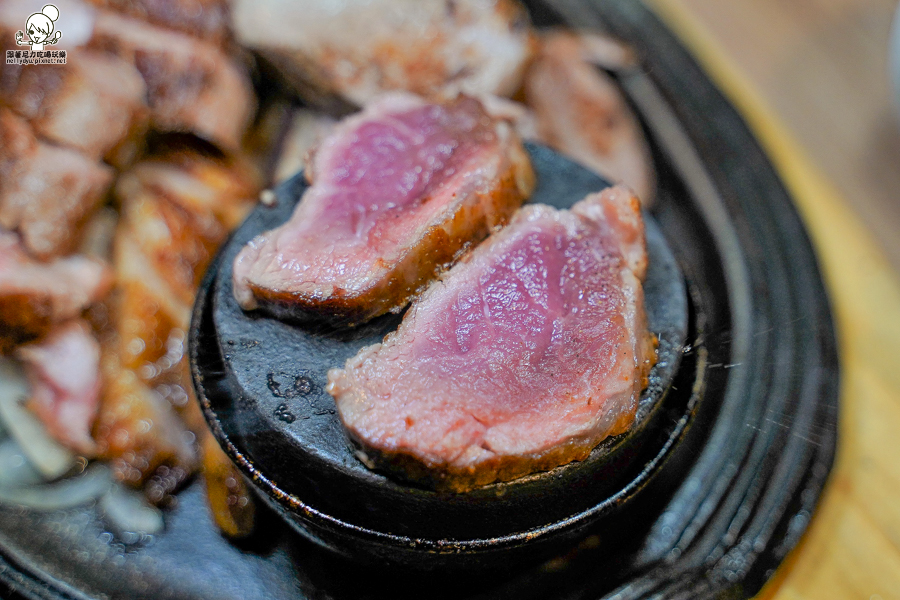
(26,317)
(440,246)
(460,403)
(445,477)
(469,215)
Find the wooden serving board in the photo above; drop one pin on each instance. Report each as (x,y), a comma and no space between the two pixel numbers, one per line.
(852,547)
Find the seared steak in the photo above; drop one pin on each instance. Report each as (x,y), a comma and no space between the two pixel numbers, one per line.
(524,357)
(581,112)
(359,49)
(91,104)
(192,85)
(399,191)
(46,192)
(34,296)
(175,208)
(64,372)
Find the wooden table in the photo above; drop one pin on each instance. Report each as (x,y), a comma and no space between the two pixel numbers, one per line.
(852,547)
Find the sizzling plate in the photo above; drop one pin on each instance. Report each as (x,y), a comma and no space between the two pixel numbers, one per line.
(757,438)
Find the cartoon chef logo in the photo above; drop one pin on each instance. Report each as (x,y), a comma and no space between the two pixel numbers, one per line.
(40,29)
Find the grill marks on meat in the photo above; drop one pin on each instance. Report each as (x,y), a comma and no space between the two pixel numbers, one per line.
(399,191)
(35,296)
(359,49)
(522,358)
(46,192)
(64,372)
(581,112)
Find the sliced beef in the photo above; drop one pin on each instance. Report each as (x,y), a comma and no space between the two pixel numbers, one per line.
(359,49)
(193,86)
(205,19)
(46,192)
(64,372)
(177,210)
(399,191)
(93,104)
(581,112)
(35,296)
(523,358)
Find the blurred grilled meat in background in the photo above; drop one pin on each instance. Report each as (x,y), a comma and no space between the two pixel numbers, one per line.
(71,133)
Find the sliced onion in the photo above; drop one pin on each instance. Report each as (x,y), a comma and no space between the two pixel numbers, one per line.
(62,494)
(129,512)
(15,469)
(46,454)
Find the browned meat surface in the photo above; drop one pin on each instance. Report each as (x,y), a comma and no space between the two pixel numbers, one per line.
(35,296)
(399,191)
(134,65)
(206,19)
(229,497)
(92,104)
(192,85)
(359,49)
(175,210)
(140,434)
(178,212)
(581,112)
(64,372)
(525,356)
(46,192)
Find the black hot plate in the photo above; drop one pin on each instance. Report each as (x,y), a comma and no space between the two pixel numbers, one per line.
(754,422)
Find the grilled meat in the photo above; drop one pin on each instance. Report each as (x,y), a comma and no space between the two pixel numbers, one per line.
(64,372)
(360,49)
(581,112)
(35,296)
(46,192)
(96,104)
(524,357)
(399,191)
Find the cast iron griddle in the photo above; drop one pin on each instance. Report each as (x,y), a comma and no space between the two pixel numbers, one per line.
(757,419)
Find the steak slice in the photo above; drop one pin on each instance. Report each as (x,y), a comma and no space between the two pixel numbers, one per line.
(35,296)
(64,372)
(581,112)
(524,357)
(46,192)
(359,49)
(66,103)
(399,191)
